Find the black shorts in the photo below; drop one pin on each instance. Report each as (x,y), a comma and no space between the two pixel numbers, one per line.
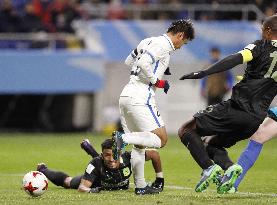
(227,122)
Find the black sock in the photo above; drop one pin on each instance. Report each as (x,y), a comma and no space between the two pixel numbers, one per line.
(197,149)
(219,156)
(55,177)
(91,151)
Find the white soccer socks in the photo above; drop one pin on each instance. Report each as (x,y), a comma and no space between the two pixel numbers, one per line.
(137,162)
(146,139)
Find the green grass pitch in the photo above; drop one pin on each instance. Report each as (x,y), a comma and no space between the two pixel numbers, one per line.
(19,153)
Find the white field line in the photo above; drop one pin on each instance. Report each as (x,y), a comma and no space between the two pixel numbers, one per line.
(242,193)
(175,187)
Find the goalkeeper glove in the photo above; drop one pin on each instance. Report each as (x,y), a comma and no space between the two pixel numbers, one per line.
(162,84)
(194,75)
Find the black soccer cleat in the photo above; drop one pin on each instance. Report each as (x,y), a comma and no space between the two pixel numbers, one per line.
(158,184)
(146,190)
(41,167)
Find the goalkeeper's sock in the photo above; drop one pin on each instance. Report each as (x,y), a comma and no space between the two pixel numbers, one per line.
(197,149)
(146,139)
(248,158)
(55,177)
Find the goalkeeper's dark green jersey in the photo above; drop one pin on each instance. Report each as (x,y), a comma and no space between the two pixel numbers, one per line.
(109,179)
(255,92)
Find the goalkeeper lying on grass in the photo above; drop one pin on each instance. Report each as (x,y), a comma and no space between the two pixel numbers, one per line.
(103,172)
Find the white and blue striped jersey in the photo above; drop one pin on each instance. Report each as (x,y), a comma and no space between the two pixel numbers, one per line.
(150,63)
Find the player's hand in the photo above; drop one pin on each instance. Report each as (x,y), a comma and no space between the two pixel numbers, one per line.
(194,75)
(162,84)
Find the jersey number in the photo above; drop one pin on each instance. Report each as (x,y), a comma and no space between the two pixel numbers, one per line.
(269,73)
(136,71)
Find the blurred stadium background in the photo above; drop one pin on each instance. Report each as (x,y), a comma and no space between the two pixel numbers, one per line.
(61,61)
(62,70)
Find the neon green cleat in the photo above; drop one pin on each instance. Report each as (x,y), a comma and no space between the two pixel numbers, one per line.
(229,178)
(232,190)
(212,174)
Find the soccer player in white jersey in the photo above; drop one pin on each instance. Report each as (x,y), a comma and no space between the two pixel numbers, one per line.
(142,123)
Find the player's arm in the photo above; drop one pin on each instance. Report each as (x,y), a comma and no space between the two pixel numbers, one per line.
(145,63)
(131,58)
(226,63)
(84,185)
(88,178)
(220,66)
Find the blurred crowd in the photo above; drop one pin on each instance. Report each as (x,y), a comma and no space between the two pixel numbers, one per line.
(38,15)
(57,15)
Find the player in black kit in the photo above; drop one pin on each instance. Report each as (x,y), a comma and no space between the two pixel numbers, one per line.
(103,172)
(237,118)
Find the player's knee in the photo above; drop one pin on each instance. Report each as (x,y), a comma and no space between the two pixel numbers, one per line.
(185,128)
(258,136)
(186,137)
(66,183)
(181,133)
(161,133)
(163,138)
(163,142)
(151,154)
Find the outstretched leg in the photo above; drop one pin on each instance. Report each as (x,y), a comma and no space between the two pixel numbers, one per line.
(56,177)
(195,145)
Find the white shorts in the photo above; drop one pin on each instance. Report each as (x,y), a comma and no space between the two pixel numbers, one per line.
(137,117)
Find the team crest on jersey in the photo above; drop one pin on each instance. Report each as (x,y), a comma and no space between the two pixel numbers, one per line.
(126,171)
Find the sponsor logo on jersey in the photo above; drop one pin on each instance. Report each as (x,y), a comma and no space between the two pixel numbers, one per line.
(108,185)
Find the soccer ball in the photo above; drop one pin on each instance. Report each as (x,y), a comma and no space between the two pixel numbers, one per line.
(35,183)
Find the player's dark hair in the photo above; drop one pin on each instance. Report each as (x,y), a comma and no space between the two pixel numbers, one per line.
(182,25)
(271,22)
(214,49)
(107,144)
